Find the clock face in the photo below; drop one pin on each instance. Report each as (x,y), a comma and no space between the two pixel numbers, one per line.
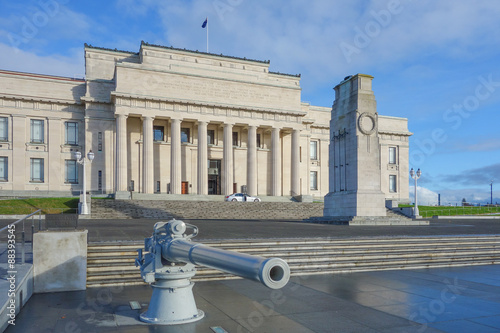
(367,123)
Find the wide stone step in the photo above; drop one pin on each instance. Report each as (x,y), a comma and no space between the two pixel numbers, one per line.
(321,241)
(130,263)
(117,258)
(259,249)
(136,280)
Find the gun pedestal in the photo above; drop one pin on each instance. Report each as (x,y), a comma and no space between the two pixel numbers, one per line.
(172,301)
(170,264)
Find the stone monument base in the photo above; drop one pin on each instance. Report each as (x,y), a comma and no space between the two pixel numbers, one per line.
(366,220)
(355,203)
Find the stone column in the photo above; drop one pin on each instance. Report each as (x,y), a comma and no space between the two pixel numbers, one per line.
(175,159)
(121,152)
(227,169)
(252,160)
(295,174)
(202,158)
(148,159)
(20,135)
(276,162)
(54,142)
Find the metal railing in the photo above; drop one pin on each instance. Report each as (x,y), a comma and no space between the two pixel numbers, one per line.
(25,210)
(11,229)
(489,210)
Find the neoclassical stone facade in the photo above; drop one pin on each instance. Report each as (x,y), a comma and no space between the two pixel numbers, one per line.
(171,121)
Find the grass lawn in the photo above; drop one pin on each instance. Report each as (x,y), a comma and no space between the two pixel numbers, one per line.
(48,206)
(429,211)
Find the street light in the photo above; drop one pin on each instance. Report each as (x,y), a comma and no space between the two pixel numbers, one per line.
(491,186)
(415,176)
(84,210)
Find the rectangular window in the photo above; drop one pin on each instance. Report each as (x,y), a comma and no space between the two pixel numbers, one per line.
(158,187)
(99,141)
(314,150)
(314,180)
(99,180)
(392,184)
(4,129)
(71,133)
(4,171)
(235,139)
(259,144)
(211,137)
(392,155)
(37,131)
(185,134)
(36,170)
(158,133)
(71,172)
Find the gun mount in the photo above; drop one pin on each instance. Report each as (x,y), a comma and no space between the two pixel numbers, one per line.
(170,264)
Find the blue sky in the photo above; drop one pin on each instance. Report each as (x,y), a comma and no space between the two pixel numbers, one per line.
(435,62)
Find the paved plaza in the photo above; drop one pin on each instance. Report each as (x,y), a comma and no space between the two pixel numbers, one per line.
(457,299)
(465,299)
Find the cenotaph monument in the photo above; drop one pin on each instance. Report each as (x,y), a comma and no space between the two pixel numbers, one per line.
(354,155)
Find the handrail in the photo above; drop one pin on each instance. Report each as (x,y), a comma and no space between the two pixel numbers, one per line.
(22,219)
(23,249)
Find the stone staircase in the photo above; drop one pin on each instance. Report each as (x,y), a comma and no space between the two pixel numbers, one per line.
(110,264)
(164,209)
(393,217)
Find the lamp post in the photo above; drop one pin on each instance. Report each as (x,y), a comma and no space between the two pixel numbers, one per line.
(491,188)
(415,175)
(84,210)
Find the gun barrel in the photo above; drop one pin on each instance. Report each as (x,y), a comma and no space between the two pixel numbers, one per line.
(272,272)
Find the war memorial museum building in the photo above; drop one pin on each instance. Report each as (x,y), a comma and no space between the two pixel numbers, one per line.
(171,121)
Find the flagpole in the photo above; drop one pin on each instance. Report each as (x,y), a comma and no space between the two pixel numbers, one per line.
(207,34)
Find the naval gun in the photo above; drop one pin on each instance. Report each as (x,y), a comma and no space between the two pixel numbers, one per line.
(169,264)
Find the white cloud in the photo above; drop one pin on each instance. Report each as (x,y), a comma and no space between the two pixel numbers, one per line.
(34,26)
(425,196)
(17,60)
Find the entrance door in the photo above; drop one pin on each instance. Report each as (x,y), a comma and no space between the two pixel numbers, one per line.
(184,187)
(214,183)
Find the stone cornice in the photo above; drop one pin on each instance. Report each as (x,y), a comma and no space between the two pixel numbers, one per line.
(88,46)
(171,48)
(39,99)
(117,95)
(395,133)
(60,79)
(320,126)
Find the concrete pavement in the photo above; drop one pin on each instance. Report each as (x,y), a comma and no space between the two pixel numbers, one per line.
(465,299)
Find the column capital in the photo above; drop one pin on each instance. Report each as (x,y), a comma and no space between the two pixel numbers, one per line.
(147,117)
(121,115)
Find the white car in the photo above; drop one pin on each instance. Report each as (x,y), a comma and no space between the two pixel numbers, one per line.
(241,197)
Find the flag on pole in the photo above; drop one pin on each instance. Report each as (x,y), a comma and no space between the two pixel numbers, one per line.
(205,25)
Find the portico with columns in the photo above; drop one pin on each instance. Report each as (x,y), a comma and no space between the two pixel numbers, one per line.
(245,160)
